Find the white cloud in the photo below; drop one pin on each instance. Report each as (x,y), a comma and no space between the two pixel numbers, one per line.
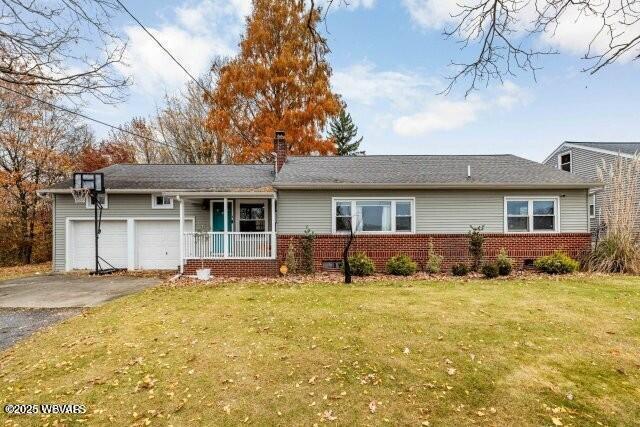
(432,14)
(575,29)
(439,115)
(407,102)
(348,4)
(444,114)
(364,84)
(578,31)
(197,33)
(365,4)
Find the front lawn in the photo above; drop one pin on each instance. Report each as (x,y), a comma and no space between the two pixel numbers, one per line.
(519,352)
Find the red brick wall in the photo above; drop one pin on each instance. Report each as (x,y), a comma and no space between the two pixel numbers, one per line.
(234,267)
(453,247)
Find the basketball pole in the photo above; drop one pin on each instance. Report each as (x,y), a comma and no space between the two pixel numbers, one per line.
(94,199)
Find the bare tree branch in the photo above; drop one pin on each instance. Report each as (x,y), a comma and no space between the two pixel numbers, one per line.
(46,43)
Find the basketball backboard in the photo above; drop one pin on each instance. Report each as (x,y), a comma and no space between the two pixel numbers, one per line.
(93,181)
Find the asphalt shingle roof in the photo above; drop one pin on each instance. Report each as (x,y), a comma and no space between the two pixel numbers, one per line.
(619,147)
(449,171)
(186,177)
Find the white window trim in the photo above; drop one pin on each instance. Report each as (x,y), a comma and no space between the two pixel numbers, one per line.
(155,205)
(592,196)
(570,153)
(530,200)
(353,201)
(89,205)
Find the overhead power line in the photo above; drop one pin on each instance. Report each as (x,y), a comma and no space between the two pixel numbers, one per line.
(84,116)
(161,45)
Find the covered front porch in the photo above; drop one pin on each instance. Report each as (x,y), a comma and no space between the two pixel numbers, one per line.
(228,226)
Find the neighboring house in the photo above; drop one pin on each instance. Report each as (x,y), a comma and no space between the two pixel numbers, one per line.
(240,219)
(583,159)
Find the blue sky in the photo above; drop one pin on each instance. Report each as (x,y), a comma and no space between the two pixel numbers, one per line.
(390,60)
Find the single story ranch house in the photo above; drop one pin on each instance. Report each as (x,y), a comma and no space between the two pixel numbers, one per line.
(239,220)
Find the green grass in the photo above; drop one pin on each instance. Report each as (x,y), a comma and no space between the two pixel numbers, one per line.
(518,352)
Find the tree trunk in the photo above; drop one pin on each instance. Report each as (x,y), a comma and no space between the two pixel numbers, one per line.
(345,259)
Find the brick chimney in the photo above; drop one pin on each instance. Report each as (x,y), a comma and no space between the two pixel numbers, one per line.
(280,148)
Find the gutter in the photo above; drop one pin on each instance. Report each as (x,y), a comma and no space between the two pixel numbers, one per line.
(459,186)
(166,192)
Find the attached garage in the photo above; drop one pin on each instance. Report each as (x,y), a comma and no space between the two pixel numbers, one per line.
(112,244)
(134,243)
(158,244)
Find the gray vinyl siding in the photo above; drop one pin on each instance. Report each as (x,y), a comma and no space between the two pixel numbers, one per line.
(437,211)
(119,206)
(585,163)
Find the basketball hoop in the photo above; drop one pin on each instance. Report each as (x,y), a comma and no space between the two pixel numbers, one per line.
(80,195)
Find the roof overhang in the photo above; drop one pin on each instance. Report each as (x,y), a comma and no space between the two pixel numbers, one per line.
(218,194)
(167,192)
(457,186)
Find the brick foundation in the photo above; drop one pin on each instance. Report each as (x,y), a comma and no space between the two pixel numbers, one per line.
(453,247)
(234,267)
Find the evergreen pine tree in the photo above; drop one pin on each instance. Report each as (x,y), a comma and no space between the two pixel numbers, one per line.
(343,130)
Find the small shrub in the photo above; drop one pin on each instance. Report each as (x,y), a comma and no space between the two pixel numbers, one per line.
(290,261)
(504,263)
(490,270)
(401,265)
(361,264)
(459,269)
(434,261)
(305,265)
(476,246)
(557,263)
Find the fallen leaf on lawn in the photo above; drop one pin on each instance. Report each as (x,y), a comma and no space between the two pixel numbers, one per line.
(556,421)
(406,350)
(329,416)
(312,380)
(451,371)
(373,406)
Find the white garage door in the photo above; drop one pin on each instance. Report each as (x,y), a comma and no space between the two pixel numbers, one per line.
(158,244)
(112,244)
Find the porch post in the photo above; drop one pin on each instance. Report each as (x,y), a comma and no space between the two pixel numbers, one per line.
(273,227)
(225,235)
(181,239)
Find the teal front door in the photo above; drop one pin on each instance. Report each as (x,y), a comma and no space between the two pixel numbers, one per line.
(217,223)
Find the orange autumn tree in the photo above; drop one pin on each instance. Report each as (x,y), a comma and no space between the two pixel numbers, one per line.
(278,81)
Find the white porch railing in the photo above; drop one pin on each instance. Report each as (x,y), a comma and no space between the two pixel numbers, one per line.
(212,245)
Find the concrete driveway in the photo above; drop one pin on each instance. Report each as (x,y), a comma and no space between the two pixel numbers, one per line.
(63,291)
(31,303)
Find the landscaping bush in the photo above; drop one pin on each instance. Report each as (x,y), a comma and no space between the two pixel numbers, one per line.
(476,246)
(361,264)
(401,265)
(490,270)
(290,261)
(504,263)
(616,253)
(305,264)
(459,269)
(434,261)
(557,263)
